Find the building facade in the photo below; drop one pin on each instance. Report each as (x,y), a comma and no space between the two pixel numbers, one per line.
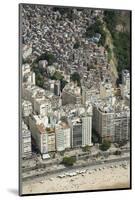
(70,98)
(57,88)
(60,146)
(122,127)
(63,138)
(86,130)
(103,123)
(26,108)
(51,140)
(77,134)
(26,141)
(38,133)
(42,107)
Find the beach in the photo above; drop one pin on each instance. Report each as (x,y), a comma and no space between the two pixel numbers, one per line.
(95,179)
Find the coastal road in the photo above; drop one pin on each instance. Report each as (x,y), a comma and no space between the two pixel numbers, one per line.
(90,166)
(44,165)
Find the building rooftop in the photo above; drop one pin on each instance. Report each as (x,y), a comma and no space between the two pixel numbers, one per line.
(41,128)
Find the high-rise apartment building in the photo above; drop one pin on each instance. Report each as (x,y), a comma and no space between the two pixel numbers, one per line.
(122,126)
(26,108)
(86,130)
(76,134)
(26,141)
(63,140)
(103,122)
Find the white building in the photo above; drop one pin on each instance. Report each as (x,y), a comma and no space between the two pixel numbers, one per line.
(25,69)
(26,141)
(44,120)
(43,135)
(51,69)
(26,108)
(125,86)
(63,138)
(106,90)
(67,143)
(30,92)
(42,107)
(51,85)
(51,139)
(122,126)
(86,130)
(88,95)
(71,94)
(60,146)
(27,51)
(103,120)
(38,133)
(29,78)
(126,78)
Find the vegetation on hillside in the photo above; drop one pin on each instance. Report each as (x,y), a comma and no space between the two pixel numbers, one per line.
(76,78)
(121,37)
(39,79)
(68,12)
(57,76)
(47,56)
(39,72)
(97,27)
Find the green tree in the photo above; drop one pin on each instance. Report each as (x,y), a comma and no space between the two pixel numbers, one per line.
(47,56)
(86,148)
(122,49)
(76,77)
(121,39)
(39,80)
(69,161)
(111,18)
(105,145)
(57,76)
(97,27)
(117,152)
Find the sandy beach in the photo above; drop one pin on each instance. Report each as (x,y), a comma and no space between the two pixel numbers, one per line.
(105,178)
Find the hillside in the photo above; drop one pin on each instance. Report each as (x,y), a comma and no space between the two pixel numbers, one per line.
(118,24)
